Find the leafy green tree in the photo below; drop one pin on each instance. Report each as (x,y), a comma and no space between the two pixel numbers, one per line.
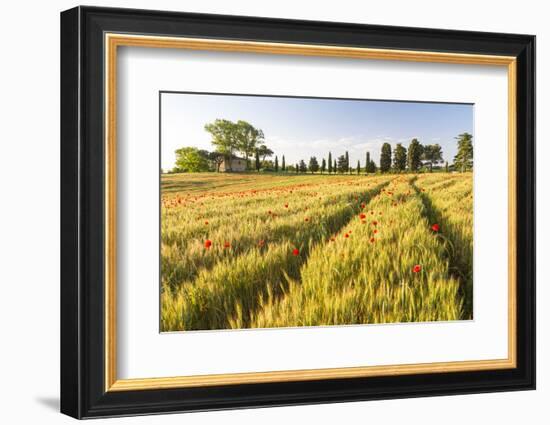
(446,166)
(248,138)
(399,158)
(264,152)
(342,164)
(191,160)
(385,158)
(330,163)
(283,165)
(358,167)
(432,154)
(464,158)
(303,166)
(334,167)
(313,165)
(217,159)
(414,156)
(225,137)
(276,164)
(323,166)
(346,166)
(297,168)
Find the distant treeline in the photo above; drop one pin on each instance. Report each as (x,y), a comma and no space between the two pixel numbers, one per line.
(231,138)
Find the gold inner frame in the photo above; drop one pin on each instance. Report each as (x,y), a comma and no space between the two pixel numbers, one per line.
(113,41)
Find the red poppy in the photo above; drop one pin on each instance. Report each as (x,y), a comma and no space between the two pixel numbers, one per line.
(226,244)
(435,227)
(286,205)
(346,235)
(363,205)
(372,240)
(417,268)
(206,222)
(362,216)
(306,219)
(261,243)
(375,231)
(207,243)
(295,252)
(374,223)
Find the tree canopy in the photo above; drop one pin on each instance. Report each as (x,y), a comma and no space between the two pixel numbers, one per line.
(385,158)
(313,165)
(191,160)
(264,152)
(399,158)
(342,166)
(432,154)
(464,158)
(414,156)
(229,137)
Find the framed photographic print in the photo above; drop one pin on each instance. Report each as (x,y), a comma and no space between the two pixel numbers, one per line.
(261,212)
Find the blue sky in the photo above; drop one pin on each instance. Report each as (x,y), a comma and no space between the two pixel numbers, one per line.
(300,128)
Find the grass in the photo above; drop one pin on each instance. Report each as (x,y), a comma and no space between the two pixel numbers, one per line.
(246,251)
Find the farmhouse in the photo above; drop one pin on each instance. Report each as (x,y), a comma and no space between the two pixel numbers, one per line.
(237,165)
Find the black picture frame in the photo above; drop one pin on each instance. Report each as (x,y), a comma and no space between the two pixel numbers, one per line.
(82,212)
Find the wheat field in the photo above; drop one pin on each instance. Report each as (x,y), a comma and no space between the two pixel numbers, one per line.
(286,250)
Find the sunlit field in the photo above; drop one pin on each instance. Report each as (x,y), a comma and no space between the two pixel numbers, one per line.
(285,250)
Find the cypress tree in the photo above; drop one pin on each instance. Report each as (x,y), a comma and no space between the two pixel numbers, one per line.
(414,156)
(399,158)
(464,158)
(257,161)
(385,158)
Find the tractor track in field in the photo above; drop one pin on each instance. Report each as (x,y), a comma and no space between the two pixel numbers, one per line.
(450,240)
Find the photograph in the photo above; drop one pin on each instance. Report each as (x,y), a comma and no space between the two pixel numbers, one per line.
(282,212)
(285,210)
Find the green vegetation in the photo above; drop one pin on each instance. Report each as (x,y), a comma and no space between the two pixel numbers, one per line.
(464,159)
(229,138)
